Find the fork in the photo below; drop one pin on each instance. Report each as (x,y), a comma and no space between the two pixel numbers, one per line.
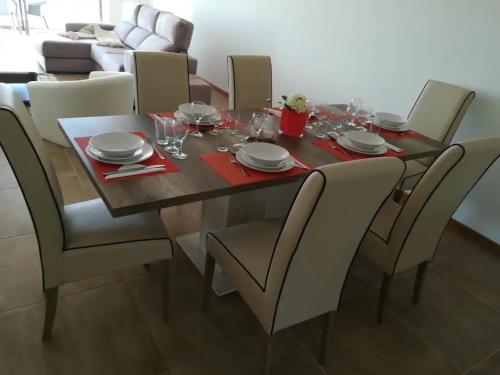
(341,150)
(233,160)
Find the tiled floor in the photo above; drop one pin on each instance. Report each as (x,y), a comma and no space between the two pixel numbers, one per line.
(111,324)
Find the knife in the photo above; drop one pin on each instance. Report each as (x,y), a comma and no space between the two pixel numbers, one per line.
(299,164)
(134,169)
(392,147)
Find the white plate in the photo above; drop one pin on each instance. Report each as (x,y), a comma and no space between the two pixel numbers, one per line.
(116,144)
(391,128)
(265,154)
(364,140)
(344,142)
(103,155)
(390,118)
(147,152)
(206,110)
(247,162)
(205,121)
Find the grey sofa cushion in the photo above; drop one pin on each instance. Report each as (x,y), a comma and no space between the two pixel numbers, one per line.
(147,17)
(136,37)
(112,62)
(97,52)
(56,46)
(122,29)
(156,43)
(175,29)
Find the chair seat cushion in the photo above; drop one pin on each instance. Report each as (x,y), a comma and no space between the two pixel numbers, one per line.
(248,246)
(90,224)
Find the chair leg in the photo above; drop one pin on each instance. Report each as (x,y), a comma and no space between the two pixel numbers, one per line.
(268,354)
(327,324)
(50,312)
(165,288)
(419,280)
(384,291)
(209,275)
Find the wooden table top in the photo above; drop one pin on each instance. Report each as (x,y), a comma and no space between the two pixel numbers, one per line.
(196,180)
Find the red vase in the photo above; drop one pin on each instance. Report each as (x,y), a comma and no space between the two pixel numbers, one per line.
(293,123)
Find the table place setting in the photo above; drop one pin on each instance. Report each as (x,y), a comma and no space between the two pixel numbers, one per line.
(254,162)
(392,126)
(120,156)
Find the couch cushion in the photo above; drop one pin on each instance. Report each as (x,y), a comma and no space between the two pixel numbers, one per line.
(56,46)
(156,43)
(112,62)
(97,52)
(122,29)
(175,29)
(147,17)
(136,37)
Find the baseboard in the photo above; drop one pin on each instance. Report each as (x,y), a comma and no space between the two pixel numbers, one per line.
(214,87)
(471,233)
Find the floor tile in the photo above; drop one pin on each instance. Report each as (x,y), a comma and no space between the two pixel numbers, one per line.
(15,219)
(20,272)
(62,165)
(473,263)
(96,332)
(461,326)
(491,366)
(72,190)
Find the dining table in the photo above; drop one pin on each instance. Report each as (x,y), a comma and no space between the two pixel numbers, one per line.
(224,204)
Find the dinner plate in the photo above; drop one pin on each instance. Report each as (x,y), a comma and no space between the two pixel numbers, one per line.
(187,109)
(247,162)
(344,142)
(205,121)
(265,154)
(391,128)
(117,144)
(146,153)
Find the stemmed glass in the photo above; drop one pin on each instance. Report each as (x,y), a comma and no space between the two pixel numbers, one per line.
(365,114)
(180,128)
(257,124)
(170,146)
(314,114)
(352,111)
(199,109)
(220,114)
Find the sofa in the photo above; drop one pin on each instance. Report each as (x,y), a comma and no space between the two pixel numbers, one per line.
(146,28)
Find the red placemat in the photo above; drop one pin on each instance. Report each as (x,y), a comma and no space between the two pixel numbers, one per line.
(397,135)
(101,167)
(221,164)
(191,125)
(347,155)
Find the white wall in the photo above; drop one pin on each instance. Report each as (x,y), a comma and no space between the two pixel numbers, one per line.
(380,50)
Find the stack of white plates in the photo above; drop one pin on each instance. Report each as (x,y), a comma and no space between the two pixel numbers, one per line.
(391,121)
(363,142)
(210,114)
(119,148)
(265,157)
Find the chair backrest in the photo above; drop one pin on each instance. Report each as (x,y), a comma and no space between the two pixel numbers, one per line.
(161,81)
(439,110)
(250,81)
(322,232)
(51,100)
(26,154)
(422,220)
(150,29)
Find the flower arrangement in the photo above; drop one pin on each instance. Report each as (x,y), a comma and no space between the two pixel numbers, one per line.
(297,103)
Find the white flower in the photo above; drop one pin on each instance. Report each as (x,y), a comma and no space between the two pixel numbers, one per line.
(297,103)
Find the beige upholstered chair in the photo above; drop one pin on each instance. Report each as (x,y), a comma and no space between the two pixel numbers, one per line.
(78,240)
(437,113)
(99,95)
(161,81)
(289,271)
(250,81)
(404,237)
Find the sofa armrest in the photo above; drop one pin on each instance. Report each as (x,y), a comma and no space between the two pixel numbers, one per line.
(77,26)
(192,64)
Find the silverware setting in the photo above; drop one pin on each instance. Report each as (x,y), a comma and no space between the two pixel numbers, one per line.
(299,164)
(135,169)
(158,152)
(232,159)
(332,145)
(392,147)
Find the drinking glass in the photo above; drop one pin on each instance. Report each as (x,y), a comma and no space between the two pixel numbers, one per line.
(221,112)
(199,109)
(242,133)
(180,129)
(371,127)
(352,111)
(314,116)
(257,124)
(170,146)
(232,119)
(320,127)
(160,124)
(365,115)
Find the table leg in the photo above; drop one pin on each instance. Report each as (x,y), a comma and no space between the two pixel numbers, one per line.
(232,210)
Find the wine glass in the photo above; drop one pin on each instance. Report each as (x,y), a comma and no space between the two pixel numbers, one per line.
(315,115)
(170,146)
(242,133)
(180,129)
(352,111)
(198,110)
(219,114)
(365,114)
